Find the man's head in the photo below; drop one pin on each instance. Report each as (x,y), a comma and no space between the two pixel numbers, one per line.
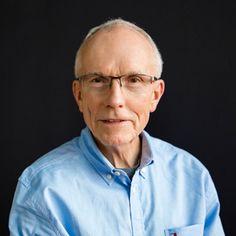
(111,24)
(117,114)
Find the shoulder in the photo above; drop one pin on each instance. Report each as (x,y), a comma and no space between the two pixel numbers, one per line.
(173,158)
(58,160)
(181,169)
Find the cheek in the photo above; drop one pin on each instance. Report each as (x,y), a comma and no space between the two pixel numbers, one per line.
(141,107)
(87,114)
(144,102)
(89,105)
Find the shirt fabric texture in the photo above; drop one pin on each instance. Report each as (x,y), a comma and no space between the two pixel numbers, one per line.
(75,190)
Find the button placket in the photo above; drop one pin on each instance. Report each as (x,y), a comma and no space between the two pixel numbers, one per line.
(135,208)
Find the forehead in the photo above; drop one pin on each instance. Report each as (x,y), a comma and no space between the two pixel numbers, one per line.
(118,48)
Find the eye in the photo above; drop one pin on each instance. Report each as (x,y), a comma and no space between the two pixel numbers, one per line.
(133,79)
(95,79)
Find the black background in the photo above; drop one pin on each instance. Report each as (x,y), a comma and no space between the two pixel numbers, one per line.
(197,40)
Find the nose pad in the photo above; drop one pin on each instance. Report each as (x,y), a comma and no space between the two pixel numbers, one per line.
(113,78)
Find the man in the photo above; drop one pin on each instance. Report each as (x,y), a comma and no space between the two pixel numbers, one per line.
(115,179)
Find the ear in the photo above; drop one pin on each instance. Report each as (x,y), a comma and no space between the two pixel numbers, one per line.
(76,89)
(157,94)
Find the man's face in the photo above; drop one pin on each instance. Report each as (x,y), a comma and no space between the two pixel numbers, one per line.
(117,117)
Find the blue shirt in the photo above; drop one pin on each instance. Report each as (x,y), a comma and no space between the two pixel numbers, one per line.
(75,190)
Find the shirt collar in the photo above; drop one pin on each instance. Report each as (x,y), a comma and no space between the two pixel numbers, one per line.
(100,162)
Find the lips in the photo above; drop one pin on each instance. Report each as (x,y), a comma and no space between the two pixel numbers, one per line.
(113,121)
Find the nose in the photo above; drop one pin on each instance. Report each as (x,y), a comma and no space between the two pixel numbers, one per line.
(115,96)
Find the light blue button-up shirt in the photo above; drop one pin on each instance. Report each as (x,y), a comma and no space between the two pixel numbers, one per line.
(75,190)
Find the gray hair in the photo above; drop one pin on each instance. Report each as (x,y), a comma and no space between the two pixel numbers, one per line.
(112,23)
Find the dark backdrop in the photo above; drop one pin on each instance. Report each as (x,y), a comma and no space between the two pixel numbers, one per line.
(39,40)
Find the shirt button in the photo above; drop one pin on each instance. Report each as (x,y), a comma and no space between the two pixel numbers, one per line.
(134,190)
(143,171)
(117,173)
(109,176)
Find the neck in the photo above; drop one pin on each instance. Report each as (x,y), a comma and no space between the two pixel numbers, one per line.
(122,156)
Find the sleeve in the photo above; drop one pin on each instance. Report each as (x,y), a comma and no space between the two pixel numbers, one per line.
(213,225)
(26,217)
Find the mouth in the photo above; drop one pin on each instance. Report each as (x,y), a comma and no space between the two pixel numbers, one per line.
(114,121)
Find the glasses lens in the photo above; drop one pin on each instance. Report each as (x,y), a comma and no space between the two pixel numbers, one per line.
(137,81)
(96,81)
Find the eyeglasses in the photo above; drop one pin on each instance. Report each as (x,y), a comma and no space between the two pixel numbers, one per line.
(131,82)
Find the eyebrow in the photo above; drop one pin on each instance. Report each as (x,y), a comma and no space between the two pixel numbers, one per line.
(102,74)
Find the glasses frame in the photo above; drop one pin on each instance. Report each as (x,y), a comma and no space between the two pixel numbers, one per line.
(152,78)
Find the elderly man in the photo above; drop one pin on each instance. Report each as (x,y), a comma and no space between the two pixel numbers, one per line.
(115,179)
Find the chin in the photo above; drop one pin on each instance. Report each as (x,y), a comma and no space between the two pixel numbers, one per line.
(115,140)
